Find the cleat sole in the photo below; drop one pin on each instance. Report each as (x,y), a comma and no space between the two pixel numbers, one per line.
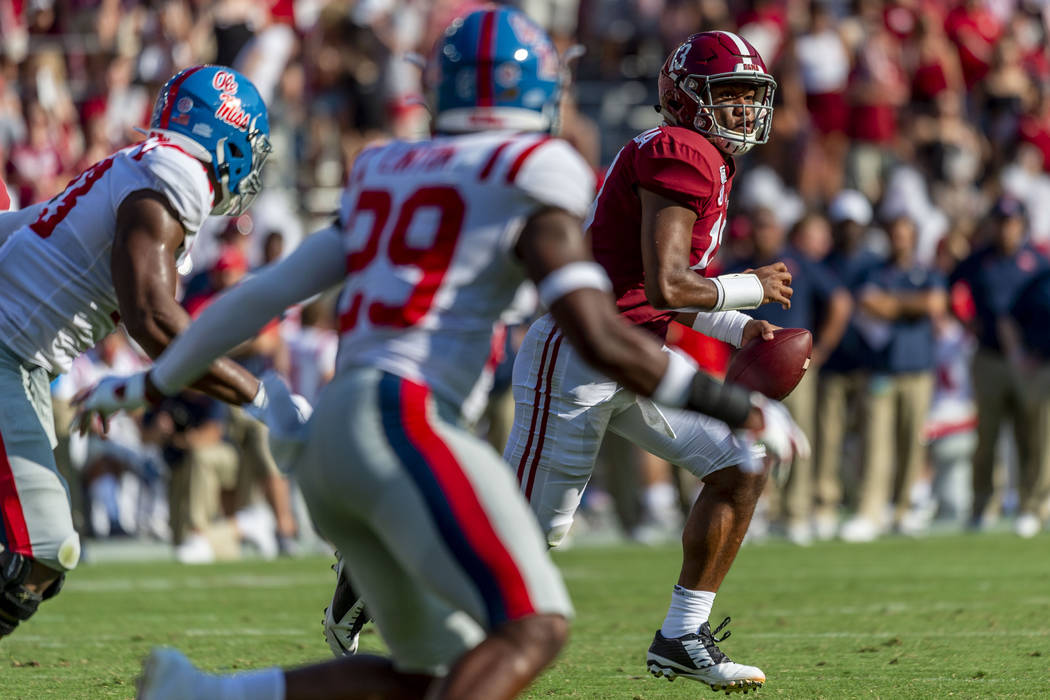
(744,686)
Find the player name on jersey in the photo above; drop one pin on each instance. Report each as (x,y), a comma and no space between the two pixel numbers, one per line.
(429,230)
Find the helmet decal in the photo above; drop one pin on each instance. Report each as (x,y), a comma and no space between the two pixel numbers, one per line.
(678,60)
(230,109)
(221,111)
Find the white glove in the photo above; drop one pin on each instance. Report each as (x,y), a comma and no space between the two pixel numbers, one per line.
(285,414)
(783,439)
(96,404)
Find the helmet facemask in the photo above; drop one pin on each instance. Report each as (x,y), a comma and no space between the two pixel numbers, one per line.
(236,203)
(733,125)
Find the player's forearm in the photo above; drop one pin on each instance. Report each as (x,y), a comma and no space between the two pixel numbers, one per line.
(606,342)
(681,289)
(687,291)
(224,379)
(242,311)
(727,326)
(228,381)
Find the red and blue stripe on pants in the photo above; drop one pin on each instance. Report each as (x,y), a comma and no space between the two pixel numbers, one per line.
(451,501)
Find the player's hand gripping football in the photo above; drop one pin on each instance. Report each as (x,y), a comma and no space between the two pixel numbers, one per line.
(756,328)
(776,283)
(96,404)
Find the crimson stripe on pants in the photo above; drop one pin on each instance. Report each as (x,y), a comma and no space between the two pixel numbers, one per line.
(535,404)
(543,423)
(11,508)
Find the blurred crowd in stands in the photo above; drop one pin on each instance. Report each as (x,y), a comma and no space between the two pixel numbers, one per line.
(906,185)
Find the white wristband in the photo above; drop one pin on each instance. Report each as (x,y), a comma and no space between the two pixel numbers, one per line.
(727,326)
(739,291)
(674,387)
(569,278)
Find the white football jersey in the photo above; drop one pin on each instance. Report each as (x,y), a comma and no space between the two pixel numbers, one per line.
(429,230)
(56,292)
(311,359)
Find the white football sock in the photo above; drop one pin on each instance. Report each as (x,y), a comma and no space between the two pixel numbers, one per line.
(689,609)
(267,684)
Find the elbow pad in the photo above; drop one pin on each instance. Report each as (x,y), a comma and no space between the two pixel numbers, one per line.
(726,402)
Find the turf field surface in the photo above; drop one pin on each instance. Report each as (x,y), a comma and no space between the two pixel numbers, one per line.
(951,616)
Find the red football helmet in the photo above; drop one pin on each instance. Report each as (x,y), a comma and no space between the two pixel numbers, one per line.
(708,60)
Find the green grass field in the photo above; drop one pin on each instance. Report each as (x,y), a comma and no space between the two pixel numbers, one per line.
(960,617)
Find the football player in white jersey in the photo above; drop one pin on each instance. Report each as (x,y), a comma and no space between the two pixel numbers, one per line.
(103,251)
(433,240)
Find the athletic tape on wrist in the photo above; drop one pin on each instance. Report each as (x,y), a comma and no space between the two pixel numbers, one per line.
(727,326)
(721,294)
(675,385)
(739,291)
(569,278)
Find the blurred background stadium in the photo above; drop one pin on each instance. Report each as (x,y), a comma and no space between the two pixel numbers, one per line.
(902,127)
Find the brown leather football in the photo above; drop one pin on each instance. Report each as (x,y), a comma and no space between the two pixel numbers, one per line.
(773,367)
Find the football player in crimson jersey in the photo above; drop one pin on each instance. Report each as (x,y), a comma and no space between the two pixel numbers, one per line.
(433,241)
(102,251)
(655,226)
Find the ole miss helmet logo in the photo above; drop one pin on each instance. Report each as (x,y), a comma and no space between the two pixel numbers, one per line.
(230,109)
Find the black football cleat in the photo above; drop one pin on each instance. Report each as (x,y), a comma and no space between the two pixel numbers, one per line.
(698,657)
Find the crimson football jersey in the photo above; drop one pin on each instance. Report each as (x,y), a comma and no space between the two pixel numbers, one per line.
(678,164)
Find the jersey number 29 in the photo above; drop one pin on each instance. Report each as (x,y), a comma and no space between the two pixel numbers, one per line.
(432,260)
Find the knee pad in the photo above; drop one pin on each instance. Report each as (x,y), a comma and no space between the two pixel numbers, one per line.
(18,603)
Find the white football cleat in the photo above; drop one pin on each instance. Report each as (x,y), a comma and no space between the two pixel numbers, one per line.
(168,675)
(696,656)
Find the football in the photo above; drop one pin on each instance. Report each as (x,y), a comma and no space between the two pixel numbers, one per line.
(773,367)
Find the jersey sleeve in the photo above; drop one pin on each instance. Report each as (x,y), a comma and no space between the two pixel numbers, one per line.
(676,170)
(556,175)
(182,180)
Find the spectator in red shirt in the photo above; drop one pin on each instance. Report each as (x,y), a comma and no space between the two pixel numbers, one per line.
(878,88)
(824,67)
(931,62)
(36,165)
(974,30)
(1034,126)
